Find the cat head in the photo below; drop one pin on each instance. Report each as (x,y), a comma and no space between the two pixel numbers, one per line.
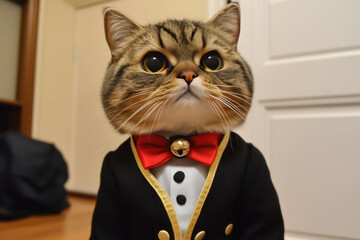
(177,76)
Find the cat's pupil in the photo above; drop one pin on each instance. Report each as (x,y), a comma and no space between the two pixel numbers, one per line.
(154,62)
(212,61)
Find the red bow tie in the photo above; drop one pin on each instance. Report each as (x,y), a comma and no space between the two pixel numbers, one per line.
(155,150)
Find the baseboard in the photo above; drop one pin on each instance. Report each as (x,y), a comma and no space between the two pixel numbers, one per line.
(81,194)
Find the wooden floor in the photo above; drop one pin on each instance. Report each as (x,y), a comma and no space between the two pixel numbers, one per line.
(74,223)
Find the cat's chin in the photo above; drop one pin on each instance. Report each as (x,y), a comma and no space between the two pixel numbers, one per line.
(181,131)
(187,116)
(190,131)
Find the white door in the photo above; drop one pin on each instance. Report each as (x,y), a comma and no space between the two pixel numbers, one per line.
(305,55)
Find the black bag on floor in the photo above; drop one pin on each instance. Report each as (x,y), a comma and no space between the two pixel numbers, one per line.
(32,177)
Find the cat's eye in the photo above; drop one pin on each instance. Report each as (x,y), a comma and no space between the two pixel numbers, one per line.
(154,62)
(211,61)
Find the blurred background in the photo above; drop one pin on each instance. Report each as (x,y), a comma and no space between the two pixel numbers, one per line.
(305,56)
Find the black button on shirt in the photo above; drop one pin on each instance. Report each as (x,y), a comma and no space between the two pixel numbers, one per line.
(181,199)
(179,176)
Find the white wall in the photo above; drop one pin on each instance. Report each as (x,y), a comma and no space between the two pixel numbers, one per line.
(54,80)
(71,61)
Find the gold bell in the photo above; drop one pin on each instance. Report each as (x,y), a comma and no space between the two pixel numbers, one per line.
(180,147)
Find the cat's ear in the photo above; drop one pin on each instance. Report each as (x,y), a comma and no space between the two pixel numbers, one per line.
(118,29)
(227,21)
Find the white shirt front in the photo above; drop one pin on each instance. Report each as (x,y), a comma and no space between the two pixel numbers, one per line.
(191,186)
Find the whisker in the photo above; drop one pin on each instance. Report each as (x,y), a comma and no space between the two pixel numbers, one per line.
(158,114)
(218,85)
(146,116)
(232,148)
(124,100)
(244,100)
(224,85)
(238,95)
(230,105)
(137,111)
(153,110)
(234,108)
(142,100)
(142,90)
(219,113)
(235,103)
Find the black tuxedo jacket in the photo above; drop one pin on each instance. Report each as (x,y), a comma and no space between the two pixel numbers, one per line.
(238,200)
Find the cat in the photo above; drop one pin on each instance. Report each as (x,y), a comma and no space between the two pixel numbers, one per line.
(144,90)
(178,79)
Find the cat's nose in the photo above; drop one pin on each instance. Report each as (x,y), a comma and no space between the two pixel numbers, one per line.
(188,76)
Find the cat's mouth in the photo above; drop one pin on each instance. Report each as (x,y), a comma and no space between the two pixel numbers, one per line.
(187,95)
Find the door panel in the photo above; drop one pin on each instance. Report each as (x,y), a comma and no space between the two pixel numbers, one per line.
(313,163)
(308,26)
(320,76)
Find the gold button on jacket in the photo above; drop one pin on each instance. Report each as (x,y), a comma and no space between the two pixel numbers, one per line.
(200,235)
(229,229)
(163,235)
